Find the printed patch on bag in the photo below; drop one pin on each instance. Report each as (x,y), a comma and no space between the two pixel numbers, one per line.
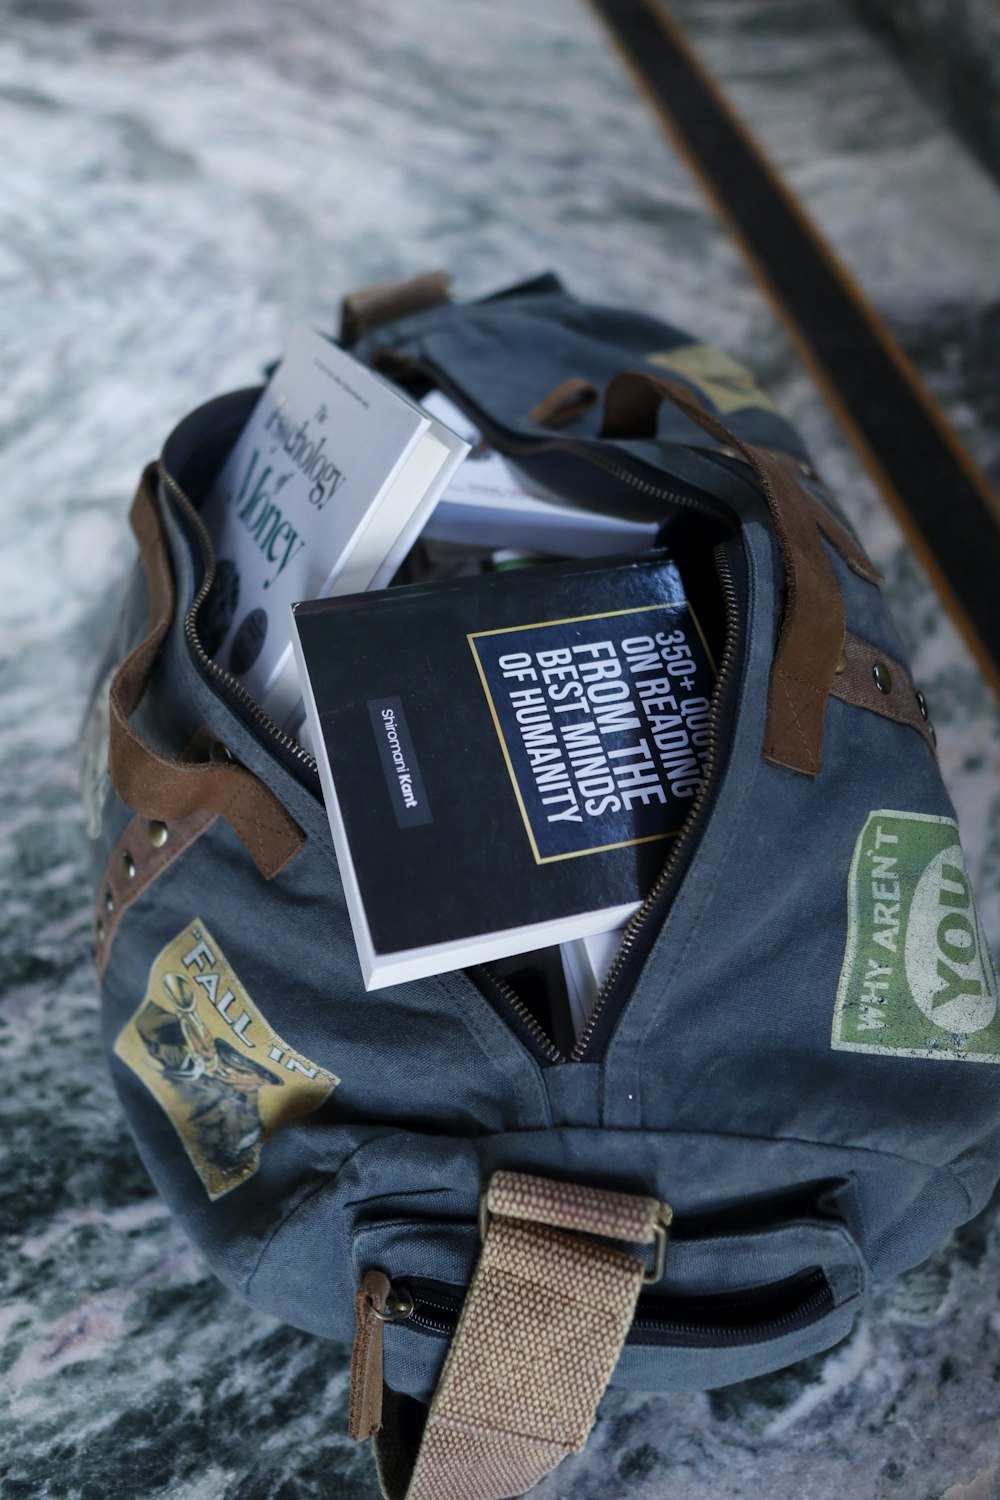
(918,979)
(729,385)
(225,1079)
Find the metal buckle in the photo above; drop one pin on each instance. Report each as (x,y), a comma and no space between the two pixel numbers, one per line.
(663,1222)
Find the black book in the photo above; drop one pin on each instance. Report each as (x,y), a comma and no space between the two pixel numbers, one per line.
(503,758)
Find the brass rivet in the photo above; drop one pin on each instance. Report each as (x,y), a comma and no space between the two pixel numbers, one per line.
(922,704)
(220,752)
(157,833)
(841,663)
(128,865)
(883,679)
(109,901)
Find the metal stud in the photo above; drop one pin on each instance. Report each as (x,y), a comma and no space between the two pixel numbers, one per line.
(128,865)
(922,705)
(100,930)
(109,901)
(883,679)
(158,834)
(220,753)
(841,663)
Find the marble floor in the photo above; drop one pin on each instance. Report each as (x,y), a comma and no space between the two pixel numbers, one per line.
(183,182)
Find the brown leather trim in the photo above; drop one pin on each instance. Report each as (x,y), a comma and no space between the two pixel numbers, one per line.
(834,530)
(857,684)
(155,784)
(365,1415)
(842,541)
(136,850)
(569,400)
(384,301)
(812,625)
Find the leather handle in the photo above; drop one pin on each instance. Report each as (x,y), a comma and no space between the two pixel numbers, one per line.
(156,785)
(811,634)
(369,307)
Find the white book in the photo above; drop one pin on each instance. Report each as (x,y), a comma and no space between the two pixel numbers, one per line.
(326,490)
(489,503)
(586,962)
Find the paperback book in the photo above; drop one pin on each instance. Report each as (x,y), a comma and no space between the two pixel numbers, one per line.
(504,759)
(489,503)
(324,492)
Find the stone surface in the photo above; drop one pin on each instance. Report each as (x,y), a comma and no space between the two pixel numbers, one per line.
(181,184)
(952,50)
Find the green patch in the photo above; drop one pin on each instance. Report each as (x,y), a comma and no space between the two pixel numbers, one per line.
(917,980)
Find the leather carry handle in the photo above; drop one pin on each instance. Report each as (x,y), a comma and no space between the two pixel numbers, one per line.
(811,635)
(369,307)
(156,785)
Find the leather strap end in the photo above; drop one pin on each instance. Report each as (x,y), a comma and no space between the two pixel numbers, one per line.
(157,785)
(566,403)
(365,1414)
(385,301)
(872,680)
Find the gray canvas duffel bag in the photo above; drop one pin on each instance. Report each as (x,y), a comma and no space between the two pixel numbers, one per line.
(787,1072)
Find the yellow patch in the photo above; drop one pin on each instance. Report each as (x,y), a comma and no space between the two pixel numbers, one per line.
(224,1078)
(728,384)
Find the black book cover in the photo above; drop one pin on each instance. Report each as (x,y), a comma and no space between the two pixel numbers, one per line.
(504,758)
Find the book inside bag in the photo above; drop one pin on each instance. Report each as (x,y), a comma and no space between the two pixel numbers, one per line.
(576,795)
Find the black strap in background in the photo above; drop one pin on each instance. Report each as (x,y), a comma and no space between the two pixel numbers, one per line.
(943,503)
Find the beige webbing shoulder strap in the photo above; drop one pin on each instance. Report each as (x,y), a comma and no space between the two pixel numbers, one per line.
(540,1332)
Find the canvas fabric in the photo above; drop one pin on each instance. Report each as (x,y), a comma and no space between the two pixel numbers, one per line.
(803,1065)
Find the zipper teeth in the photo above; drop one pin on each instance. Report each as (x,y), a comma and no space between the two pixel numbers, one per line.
(191,630)
(690,502)
(424,1317)
(638,920)
(290,745)
(517,1005)
(814,1301)
(551,1051)
(509,444)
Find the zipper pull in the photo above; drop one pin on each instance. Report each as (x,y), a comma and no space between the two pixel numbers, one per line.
(375,1303)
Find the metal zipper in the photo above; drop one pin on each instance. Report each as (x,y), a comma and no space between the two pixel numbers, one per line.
(510,997)
(637,922)
(439,1316)
(289,745)
(506,442)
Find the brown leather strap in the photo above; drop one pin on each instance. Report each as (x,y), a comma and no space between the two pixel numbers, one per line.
(812,625)
(156,785)
(871,679)
(365,1416)
(569,400)
(144,851)
(842,541)
(385,301)
(540,1333)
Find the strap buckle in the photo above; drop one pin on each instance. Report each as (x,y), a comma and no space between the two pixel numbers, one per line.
(653,1274)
